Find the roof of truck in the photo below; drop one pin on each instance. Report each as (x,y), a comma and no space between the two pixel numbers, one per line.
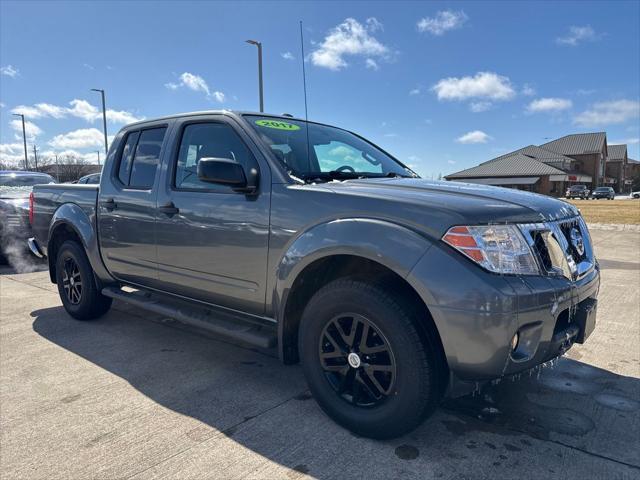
(217,112)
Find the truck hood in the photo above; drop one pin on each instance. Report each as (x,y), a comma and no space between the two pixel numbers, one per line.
(456,203)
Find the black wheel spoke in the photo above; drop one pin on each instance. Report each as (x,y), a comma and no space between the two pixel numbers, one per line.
(72,281)
(357,360)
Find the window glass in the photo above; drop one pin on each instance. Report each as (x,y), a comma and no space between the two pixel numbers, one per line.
(147,157)
(126,157)
(335,155)
(316,152)
(205,140)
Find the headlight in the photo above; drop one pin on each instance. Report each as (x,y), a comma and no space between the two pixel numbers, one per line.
(498,248)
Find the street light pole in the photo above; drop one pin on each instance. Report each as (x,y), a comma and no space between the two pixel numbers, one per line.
(24,140)
(104,119)
(98,152)
(259,45)
(35,156)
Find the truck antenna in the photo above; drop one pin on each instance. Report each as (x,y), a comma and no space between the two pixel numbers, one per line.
(304,84)
(304,75)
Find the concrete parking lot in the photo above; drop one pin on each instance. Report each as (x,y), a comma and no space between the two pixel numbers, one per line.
(134,395)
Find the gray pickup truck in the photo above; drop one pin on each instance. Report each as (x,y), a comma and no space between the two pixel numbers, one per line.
(390,290)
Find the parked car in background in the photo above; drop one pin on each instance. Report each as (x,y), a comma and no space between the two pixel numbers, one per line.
(15,188)
(93,179)
(603,192)
(578,191)
(390,290)
(634,195)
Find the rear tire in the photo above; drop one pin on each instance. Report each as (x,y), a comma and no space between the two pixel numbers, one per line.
(378,384)
(77,287)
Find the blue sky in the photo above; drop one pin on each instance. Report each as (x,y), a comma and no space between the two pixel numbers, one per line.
(442,85)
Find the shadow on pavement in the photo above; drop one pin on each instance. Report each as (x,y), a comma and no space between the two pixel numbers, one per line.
(572,404)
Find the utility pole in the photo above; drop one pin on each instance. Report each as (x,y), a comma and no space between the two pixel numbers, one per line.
(35,156)
(57,168)
(98,152)
(259,45)
(104,119)
(24,140)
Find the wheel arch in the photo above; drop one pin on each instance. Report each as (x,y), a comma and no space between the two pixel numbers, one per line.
(346,248)
(71,222)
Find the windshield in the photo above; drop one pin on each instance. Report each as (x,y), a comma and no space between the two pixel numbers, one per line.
(331,153)
(19,180)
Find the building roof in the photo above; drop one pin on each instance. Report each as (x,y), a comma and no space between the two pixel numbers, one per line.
(616,152)
(631,160)
(578,143)
(513,165)
(536,152)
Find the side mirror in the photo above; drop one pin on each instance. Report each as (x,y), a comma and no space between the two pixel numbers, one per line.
(225,171)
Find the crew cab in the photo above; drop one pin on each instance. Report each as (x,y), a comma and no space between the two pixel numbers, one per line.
(391,291)
(578,191)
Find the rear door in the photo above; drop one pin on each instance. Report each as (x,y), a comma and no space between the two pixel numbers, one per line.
(127,206)
(213,241)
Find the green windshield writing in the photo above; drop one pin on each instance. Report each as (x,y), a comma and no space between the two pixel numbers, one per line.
(277,124)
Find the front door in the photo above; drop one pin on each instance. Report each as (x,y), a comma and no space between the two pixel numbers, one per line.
(212,242)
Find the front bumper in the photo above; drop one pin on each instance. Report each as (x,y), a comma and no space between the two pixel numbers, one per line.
(477,314)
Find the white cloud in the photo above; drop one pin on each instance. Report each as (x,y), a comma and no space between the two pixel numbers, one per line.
(451,162)
(287,56)
(443,22)
(12,153)
(485,85)
(79,108)
(350,38)
(477,107)
(608,113)
(549,104)
(415,91)
(31,129)
(372,64)
(9,71)
(82,138)
(197,84)
(528,90)
(476,136)
(577,35)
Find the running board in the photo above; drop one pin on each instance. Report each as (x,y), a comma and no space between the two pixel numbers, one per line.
(217,322)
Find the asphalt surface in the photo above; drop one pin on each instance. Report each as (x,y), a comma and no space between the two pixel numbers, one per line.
(133,395)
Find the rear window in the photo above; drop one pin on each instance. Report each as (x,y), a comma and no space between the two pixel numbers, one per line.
(140,158)
(20,180)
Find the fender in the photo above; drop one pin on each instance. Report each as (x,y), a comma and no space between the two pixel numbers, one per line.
(74,217)
(392,245)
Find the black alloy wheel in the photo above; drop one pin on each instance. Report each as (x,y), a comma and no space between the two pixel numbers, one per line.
(72,280)
(357,360)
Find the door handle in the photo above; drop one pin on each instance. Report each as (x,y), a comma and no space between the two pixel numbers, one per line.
(168,209)
(109,204)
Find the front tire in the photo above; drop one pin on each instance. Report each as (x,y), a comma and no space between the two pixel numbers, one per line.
(77,287)
(366,362)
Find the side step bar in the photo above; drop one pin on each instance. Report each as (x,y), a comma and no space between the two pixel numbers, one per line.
(219,323)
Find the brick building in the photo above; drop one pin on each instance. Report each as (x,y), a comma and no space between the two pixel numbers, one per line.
(551,168)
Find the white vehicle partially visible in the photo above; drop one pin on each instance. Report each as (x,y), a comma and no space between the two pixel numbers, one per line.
(634,194)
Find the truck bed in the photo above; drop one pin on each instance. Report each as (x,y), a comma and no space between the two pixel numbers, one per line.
(49,198)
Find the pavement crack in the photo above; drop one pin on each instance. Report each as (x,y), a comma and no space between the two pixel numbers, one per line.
(556,442)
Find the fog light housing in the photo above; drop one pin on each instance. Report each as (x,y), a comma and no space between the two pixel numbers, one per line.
(514,342)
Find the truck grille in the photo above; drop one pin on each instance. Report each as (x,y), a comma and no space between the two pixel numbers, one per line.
(562,247)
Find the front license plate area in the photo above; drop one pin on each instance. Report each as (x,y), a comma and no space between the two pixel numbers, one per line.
(585,318)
